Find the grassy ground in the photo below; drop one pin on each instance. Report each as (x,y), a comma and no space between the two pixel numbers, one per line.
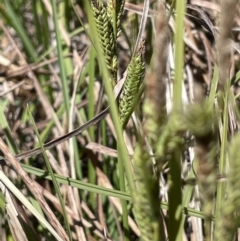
(119,120)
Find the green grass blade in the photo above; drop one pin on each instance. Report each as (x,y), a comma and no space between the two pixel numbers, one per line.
(175,193)
(101,190)
(114,114)
(62,66)
(76,183)
(91,104)
(56,187)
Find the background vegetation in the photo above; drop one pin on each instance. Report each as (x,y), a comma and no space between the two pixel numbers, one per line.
(119,120)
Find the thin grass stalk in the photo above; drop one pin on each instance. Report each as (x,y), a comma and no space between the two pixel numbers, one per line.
(78,166)
(178,55)
(175,204)
(91,104)
(61,61)
(55,184)
(104,191)
(122,185)
(81,185)
(113,107)
(74,194)
(104,132)
(175,198)
(108,36)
